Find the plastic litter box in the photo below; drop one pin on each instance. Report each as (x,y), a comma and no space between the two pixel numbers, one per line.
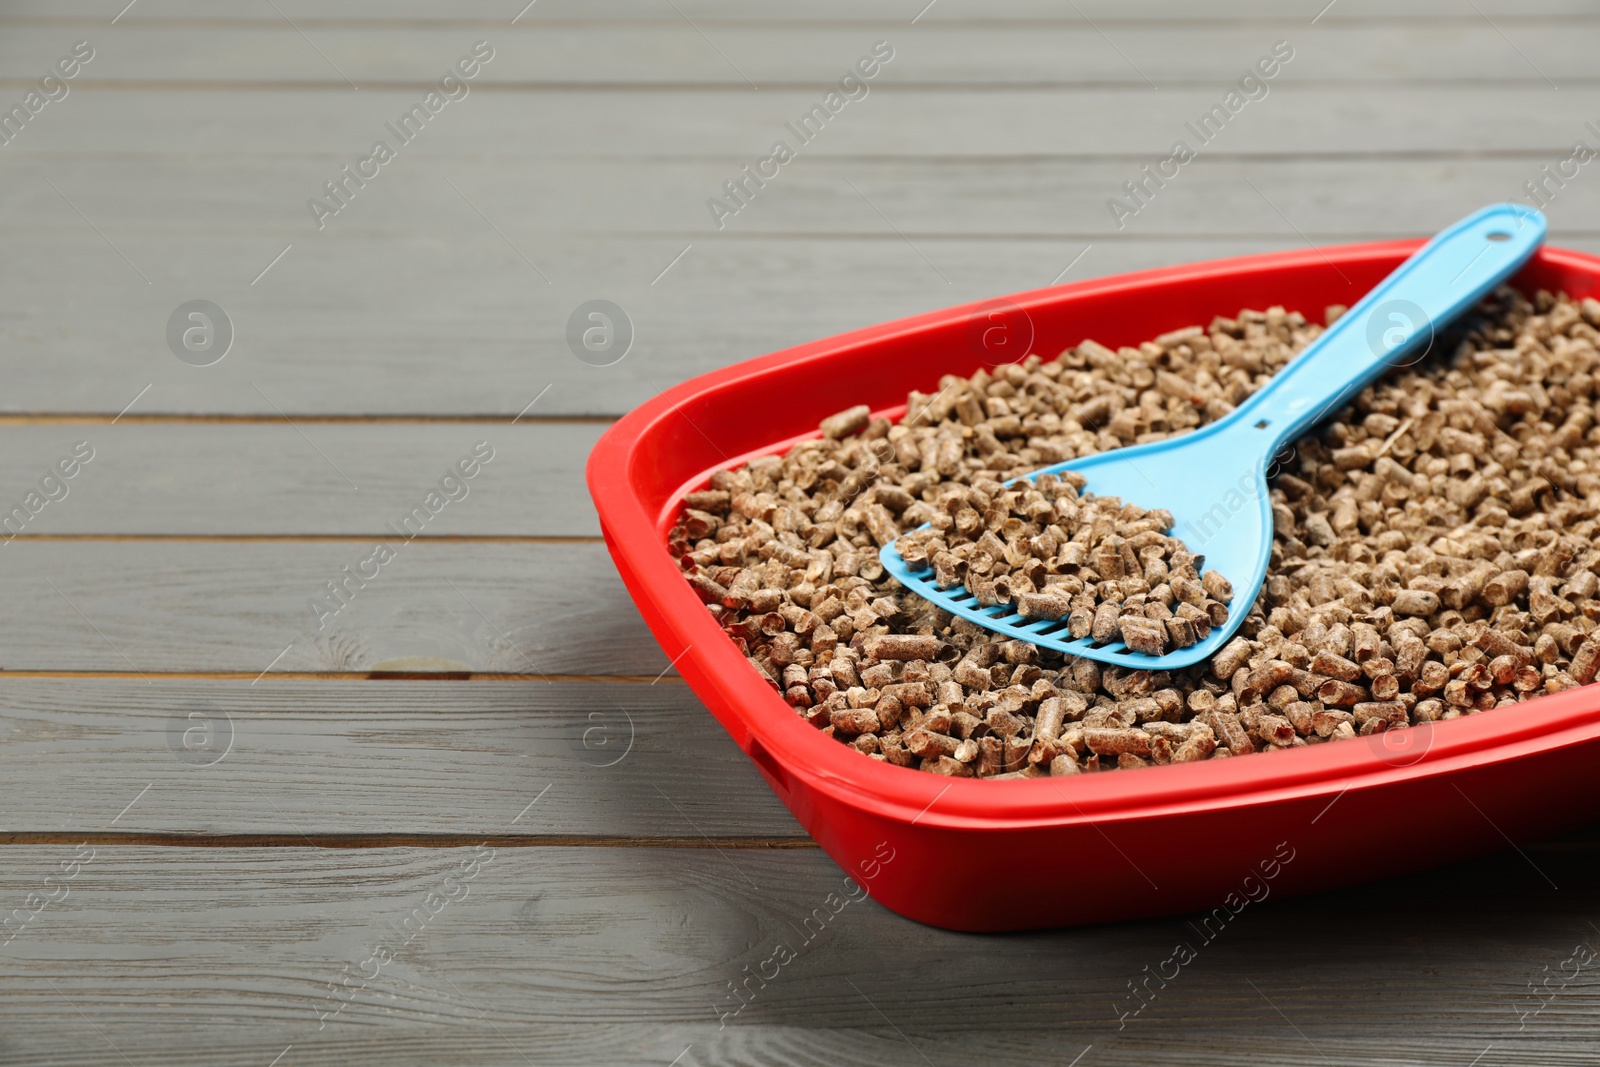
(981,855)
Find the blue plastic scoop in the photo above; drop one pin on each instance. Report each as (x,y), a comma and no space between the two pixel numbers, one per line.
(1214,480)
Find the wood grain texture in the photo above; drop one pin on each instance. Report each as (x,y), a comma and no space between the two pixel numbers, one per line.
(669,50)
(1051,194)
(635,124)
(236,606)
(366,760)
(690,329)
(626,956)
(433,312)
(267,479)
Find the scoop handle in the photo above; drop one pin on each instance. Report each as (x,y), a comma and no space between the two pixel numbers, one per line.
(1398,320)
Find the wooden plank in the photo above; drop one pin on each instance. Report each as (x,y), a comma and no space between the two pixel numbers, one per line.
(671,50)
(1041,197)
(399,333)
(245,606)
(399,336)
(631,125)
(558,955)
(356,762)
(603,12)
(266,479)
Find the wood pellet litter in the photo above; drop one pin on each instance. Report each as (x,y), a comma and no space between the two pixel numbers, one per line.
(1107,568)
(1432,557)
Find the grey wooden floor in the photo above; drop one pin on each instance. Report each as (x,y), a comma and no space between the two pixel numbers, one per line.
(474,816)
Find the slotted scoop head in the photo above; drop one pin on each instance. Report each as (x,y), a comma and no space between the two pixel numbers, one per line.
(1214,480)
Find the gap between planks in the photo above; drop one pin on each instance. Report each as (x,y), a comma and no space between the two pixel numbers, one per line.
(1319,239)
(346,676)
(358,538)
(193,22)
(399,840)
(217,85)
(1390,155)
(97,418)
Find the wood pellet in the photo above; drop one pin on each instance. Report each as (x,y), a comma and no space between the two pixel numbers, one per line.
(1432,554)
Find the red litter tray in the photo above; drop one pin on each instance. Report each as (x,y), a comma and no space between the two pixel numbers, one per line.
(1027,853)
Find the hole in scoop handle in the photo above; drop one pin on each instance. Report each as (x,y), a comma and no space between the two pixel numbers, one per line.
(1399,320)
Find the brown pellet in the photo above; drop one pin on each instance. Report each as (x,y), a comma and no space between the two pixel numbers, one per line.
(1409,655)
(1052,713)
(1275,730)
(1228,730)
(1144,635)
(1502,670)
(1432,677)
(847,422)
(1044,605)
(1117,742)
(1105,627)
(1325,722)
(1064,764)
(854,720)
(1230,658)
(947,766)
(1335,666)
(1415,602)
(928,744)
(1505,587)
(1343,694)
(1216,586)
(1392,712)
(1301,715)
(902,646)
(1585,661)
(1199,745)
